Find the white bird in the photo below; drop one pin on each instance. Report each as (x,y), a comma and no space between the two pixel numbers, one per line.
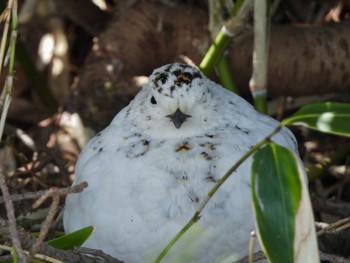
(150,168)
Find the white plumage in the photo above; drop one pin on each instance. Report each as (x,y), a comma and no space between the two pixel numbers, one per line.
(151,167)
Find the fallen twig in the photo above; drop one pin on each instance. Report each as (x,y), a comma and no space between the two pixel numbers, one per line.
(256,257)
(10,211)
(335,227)
(52,192)
(66,256)
(97,253)
(61,191)
(332,258)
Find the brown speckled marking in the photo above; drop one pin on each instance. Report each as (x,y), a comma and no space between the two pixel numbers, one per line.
(207,156)
(209,145)
(211,179)
(197,75)
(194,198)
(176,72)
(134,153)
(243,130)
(128,112)
(186,78)
(163,77)
(172,88)
(179,176)
(184,147)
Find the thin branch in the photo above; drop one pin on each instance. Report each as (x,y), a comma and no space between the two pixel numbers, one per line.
(61,191)
(97,253)
(251,246)
(10,211)
(332,258)
(335,227)
(45,227)
(5,104)
(38,256)
(238,24)
(256,257)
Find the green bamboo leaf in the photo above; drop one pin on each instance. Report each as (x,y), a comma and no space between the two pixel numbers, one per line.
(71,240)
(276,192)
(328,117)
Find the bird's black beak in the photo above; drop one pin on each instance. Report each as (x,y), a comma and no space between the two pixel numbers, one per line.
(178,118)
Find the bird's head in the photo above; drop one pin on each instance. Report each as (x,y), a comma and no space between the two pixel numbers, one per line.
(177,99)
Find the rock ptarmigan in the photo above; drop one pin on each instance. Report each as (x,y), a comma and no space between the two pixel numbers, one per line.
(150,168)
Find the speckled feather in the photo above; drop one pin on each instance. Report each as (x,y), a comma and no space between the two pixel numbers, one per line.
(146,177)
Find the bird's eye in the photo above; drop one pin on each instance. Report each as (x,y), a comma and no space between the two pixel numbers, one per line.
(153,100)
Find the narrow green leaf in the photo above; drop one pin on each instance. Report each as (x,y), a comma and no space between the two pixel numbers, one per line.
(276,192)
(71,240)
(329,117)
